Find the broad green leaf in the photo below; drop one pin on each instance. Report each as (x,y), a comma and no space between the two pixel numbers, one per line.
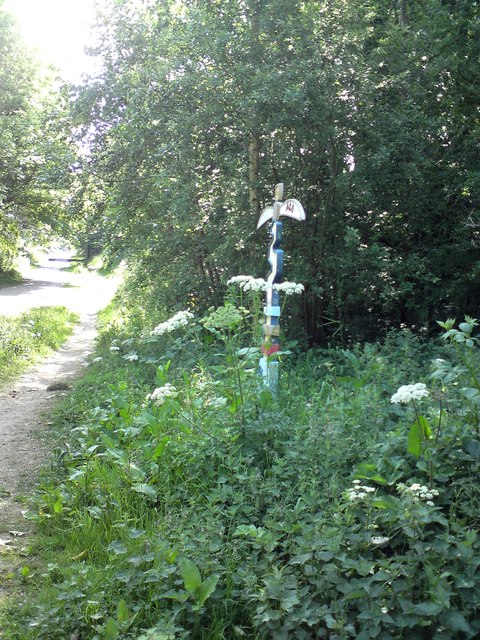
(455,621)
(415,440)
(135,472)
(427,608)
(419,431)
(145,489)
(425,426)
(385,502)
(471,393)
(206,589)
(78,473)
(190,574)
(111,630)
(117,547)
(369,471)
(160,448)
(123,614)
(472,447)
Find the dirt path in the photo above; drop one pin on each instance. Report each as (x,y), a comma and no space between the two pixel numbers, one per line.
(25,405)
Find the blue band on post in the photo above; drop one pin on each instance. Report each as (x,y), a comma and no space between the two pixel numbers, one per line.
(271,311)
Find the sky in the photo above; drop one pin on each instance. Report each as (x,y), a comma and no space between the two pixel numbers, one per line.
(58,31)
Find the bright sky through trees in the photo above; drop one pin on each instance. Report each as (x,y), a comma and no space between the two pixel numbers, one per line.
(58,30)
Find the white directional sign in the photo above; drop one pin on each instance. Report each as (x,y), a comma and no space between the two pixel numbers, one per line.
(291,208)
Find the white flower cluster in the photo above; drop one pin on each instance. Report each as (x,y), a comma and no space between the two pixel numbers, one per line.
(131,357)
(409,392)
(289,288)
(359,491)
(248,283)
(180,319)
(114,348)
(418,492)
(378,540)
(160,394)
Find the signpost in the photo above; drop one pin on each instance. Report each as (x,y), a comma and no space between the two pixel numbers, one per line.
(268,367)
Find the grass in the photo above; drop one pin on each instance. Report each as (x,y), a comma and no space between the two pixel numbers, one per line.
(214,515)
(33,334)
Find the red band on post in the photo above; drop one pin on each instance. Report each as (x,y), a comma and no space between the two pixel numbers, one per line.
(268,351)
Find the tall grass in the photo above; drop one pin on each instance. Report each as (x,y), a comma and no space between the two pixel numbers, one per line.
(31,335)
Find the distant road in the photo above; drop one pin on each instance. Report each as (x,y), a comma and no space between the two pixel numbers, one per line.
(48,285)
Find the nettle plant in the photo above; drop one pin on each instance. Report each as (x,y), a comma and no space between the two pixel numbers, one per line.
(464,374)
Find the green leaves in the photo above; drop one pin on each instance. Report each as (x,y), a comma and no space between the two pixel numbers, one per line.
(145,489)
(369,471)
(201,590)
(418,435)
(190,574)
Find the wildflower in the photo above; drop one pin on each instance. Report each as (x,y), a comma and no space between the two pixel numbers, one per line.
(114,348)
(289,288)
(358,491)
(160,394)
(418,493)
(97,359)
(131,357)
(376,540)
(180,319)
(248,283)
(255,284)
(409,392)
(240,280)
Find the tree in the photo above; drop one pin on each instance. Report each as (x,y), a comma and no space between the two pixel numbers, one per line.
(36,150)
(367,111)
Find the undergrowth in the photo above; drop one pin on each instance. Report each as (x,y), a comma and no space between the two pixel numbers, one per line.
(188,502)
(30,335)
(9,278)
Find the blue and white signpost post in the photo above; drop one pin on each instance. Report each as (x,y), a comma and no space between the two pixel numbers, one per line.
(268,367)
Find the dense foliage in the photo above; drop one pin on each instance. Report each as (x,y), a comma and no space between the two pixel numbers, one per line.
(188,503)
(367,110)
(36,151)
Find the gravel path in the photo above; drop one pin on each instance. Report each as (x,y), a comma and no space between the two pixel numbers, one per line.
(25,405)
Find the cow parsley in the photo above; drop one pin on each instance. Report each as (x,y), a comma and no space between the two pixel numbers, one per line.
(160,395)
(409,392)
(180,319)
(289,288)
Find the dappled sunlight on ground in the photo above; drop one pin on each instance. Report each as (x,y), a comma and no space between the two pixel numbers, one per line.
(51,285)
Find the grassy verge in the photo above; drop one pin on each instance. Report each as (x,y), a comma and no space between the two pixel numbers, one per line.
(188,503)
(31,335)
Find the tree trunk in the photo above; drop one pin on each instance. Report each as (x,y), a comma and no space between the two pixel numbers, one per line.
(254,161)
(254,143)
(403,13)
